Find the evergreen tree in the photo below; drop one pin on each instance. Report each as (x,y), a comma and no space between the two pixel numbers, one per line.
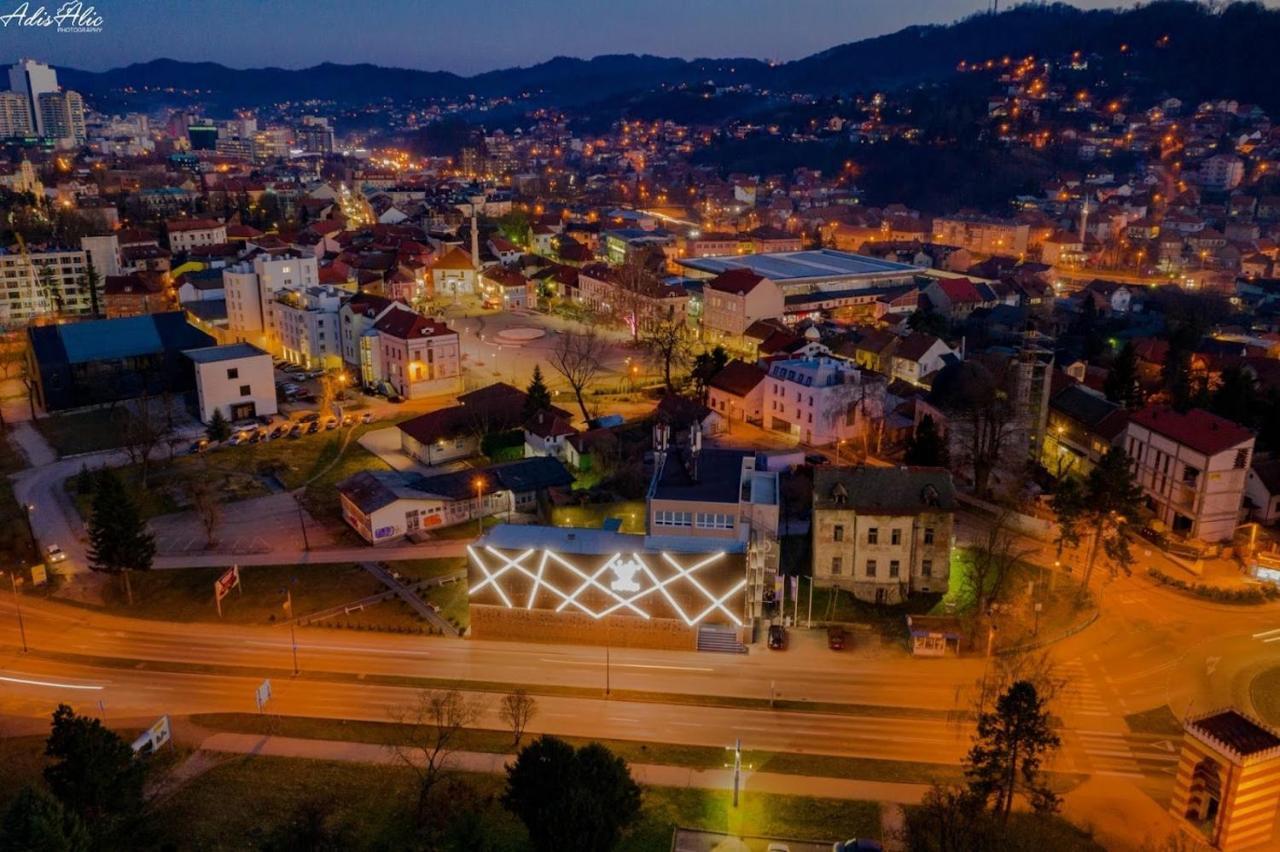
(1236,397)
(36,821)
(90,282)
(118,537)
(927,447)
(94,773)
(705,367)
(1121,386)
(928,321)
(218,429)
(537,398)
(1010,744)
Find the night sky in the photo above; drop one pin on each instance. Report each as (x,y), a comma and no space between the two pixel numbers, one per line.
(466,36)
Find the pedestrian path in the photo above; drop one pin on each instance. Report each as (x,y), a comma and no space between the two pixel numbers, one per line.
(656,775)
(1081,695)
(1125,755)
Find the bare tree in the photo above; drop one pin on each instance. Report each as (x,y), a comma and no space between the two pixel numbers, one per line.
(143,426)
(983,416)
(205,502)
(517,709)
(433,727)
(577,359)
(669,342)
(636,287)
(993,560)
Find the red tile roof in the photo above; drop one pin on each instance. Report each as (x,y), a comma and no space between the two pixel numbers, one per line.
(737,281)
(192,225)
(407,323)
(455,258)
(1198,429)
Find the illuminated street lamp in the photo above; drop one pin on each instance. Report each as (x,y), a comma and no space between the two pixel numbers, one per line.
(479,483)
(17,603)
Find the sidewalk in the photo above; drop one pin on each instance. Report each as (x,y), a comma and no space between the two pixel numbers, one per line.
(655,775)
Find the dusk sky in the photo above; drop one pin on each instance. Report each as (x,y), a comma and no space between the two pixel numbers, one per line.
(465,37)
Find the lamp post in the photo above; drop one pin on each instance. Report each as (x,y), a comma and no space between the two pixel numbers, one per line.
(29,508)
(479,518)
(17,603)
(302,522)
(293,636)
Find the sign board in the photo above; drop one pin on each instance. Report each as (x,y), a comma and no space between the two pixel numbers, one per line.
(224,584)
(154,737)
(263,695)
(39,574)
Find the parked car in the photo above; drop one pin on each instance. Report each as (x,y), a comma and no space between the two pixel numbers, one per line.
(816,459)
(313,427)
(777,847)
(395,398)
(254,437)
(279,431)
(199,446)
(348,420)
(835,638)
(777,637)
(238,438)
(295,431)
(330,422)
(53,554)
(367,417)
(310,417)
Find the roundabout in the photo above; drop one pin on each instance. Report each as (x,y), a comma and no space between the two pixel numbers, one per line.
(519,335)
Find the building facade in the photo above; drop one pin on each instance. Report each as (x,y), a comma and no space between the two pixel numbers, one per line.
(236,379)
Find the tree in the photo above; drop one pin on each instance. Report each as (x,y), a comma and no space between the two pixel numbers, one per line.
(433,728)
(515,227)
(90,282)
(927,446)
(980,409)
(205,502)
(992,559)
(94,773)
(36,821)
(310,828)
(705,367)
(949,819)
(1010,744)
(143,426)
(1236,397)
(517,710)
(636,286)
(571,798)
(537,397)
(1101,505)
(118,537)
(668,341)
(1121,386)
(928,321)
(577,358)
(218,429)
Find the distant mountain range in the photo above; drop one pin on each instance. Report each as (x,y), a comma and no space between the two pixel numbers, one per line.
(1178,47)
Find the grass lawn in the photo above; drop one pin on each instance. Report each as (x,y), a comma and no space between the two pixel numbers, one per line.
(694,757)
(15,537)
(452,599)
(321,495)
(425,569)
(1264,692)
(1158,720)
(245,801)
(80,432)
(632,513)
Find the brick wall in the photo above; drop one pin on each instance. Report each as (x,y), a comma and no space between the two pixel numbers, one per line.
(543,625)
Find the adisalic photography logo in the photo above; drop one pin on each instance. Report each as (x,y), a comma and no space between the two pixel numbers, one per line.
(70,17)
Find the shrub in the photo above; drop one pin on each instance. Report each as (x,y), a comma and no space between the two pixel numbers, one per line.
(1221,594)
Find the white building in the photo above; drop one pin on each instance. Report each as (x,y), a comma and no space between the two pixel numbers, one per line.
(1192,467)
(417,356)
(236,379)
(304,326)
(32,79)
(820,401)
(46,283)
(62,115)
(1221,172)
(15,116)
(251,286)
(185,234)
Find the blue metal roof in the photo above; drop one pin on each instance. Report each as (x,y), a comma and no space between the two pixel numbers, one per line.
(109,339)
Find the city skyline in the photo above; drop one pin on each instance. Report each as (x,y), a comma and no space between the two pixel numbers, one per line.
(470,39)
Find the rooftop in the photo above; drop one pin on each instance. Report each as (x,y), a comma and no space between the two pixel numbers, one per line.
(1240,734)
(1202,431)
(884,490)
(783,267)
(229,352)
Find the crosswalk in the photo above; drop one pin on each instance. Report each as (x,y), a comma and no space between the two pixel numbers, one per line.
(1267,637)
(1081,695)
(1123,755)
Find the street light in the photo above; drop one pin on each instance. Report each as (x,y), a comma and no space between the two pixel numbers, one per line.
(479,483)
(31,530)
(17,603)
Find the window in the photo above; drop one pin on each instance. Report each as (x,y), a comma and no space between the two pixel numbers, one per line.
(837,565)
(895,537)
(1190,474)
(926,567)
(893,568)
(873,535)
(871,567)
(712,521)
(837,532)
(928,535)
(1242,459)
(233,373)
(672,519)
(245,391)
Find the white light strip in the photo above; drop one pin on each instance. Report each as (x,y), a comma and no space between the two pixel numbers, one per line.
(688,575)
(46,683)
(537,581)
(720,603)
(489,579)
(658,586)
(593,580)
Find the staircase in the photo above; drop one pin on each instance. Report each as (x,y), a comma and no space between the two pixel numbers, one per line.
(719,640)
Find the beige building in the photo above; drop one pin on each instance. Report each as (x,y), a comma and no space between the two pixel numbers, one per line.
(186,234)
(982,235)
(236,379)
(733,300)
(1192,467)
(883,533)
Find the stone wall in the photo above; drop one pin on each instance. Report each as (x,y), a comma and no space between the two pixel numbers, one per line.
(545,625)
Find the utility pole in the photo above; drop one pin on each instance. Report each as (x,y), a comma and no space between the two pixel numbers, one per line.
(17,603)
(302,522)
(293,635)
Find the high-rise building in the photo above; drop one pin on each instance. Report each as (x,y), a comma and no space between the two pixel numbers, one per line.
(203,135)
(15,116)
(33,79)
(315,135)
(62,116)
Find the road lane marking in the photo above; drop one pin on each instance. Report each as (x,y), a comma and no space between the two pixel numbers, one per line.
(1266,633)
(597,663)
(1118,774)
(46,683)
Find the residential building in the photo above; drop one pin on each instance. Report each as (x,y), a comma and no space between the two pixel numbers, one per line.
(135,294)
(15,116)
(31,79)
(918,356)
(640,305)
(1263,489)
(76,364)
(453,433)
(42,283)
(359,341)
(453,275)
(982,234)
(883,533)
(417,356)
(733,300)
(1221,172)
(737,392)
(1192,467)
(186,234)
(62,117)
(1082,426)
(304,326)
(822,400)
(237,379)
(251,286)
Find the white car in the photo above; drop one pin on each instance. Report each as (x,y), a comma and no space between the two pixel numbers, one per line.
(53,554)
